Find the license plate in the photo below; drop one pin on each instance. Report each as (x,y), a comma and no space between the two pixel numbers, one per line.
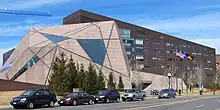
(97,98)
(61,101)
(14,102)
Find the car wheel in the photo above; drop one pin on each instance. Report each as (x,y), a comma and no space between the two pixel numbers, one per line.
(174,96)
(159,97)
(74,103)
(91,102)
(133,98)
(107,100)
(123,99)
(30,105)
(118,99)
(142,98)
(51,104)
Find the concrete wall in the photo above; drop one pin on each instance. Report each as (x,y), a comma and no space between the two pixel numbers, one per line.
(6,85)
(159,81)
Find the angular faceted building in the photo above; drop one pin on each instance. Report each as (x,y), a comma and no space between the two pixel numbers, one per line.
(98,43)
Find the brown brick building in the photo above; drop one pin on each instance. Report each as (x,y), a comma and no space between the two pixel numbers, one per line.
(154,51)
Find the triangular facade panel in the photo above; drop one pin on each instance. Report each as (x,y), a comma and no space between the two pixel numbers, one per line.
(91,32)
(48,58)
(95,49)
(55,38)
(73,47)
(63,30)
(44,50)
(19,63)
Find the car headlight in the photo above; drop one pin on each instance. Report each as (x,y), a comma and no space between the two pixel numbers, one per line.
(58,99)
(23,100)
(68,99)
(165,94)
(101,96)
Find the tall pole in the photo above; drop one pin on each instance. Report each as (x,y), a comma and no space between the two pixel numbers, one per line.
(169,82)
(169,76)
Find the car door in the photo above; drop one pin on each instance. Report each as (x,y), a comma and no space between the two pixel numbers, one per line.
(37,98)
(138,93)
(110,95)
(85,97)
(46,96)
(80,98)
(116,94)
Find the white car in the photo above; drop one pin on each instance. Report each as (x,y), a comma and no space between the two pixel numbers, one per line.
(132,94)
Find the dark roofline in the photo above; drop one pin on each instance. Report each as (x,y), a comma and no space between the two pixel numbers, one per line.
(81,11)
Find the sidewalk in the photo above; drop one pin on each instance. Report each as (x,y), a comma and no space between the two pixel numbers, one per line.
(5,106)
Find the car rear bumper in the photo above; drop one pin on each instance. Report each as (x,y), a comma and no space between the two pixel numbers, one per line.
(64,102)
(97,100)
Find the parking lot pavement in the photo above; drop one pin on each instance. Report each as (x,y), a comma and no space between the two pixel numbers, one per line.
(128,105)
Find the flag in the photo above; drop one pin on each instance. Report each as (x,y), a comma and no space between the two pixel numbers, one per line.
(180,54)
(184,55)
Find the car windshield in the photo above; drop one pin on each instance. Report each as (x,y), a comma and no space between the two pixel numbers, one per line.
(72,95)
(28,93)
(103,92)
(130,91)
(164,91)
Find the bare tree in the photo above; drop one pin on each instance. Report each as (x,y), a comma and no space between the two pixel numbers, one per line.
(136,77)
(217,76)
(199,75)
(172,70)
(190,79)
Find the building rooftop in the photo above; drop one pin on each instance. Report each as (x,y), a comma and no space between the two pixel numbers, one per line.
(89,14)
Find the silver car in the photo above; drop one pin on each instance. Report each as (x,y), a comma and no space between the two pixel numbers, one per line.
(132,94)
(167,93)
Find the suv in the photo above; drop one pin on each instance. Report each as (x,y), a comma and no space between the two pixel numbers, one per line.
(76,98)
(132,94)
(107,96)
(35,97)
(167,93)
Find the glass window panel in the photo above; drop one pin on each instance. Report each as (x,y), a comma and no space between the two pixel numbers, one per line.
(139,57)
(167,44)
(128,53)
(139,41)
(28,65)
(139,49)
(7,67)
(129,49)
(125,32)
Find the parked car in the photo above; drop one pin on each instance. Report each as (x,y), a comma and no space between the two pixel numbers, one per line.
(167,93)
(155,92)
(35,97)
(76,98)
(107,96)
(132,94)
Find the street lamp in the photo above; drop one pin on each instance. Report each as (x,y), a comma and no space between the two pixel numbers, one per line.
(169,76)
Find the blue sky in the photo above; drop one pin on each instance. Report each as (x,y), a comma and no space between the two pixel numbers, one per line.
(195,20)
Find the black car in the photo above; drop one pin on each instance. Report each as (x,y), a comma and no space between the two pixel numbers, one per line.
(167,93)
(35,97)
(76,98)
(107,96)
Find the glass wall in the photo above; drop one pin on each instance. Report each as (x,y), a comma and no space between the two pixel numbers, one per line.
(125,33)
(139,41)
(130,45)
(28,65)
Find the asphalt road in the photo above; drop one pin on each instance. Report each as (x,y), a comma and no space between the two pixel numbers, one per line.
(179,103)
